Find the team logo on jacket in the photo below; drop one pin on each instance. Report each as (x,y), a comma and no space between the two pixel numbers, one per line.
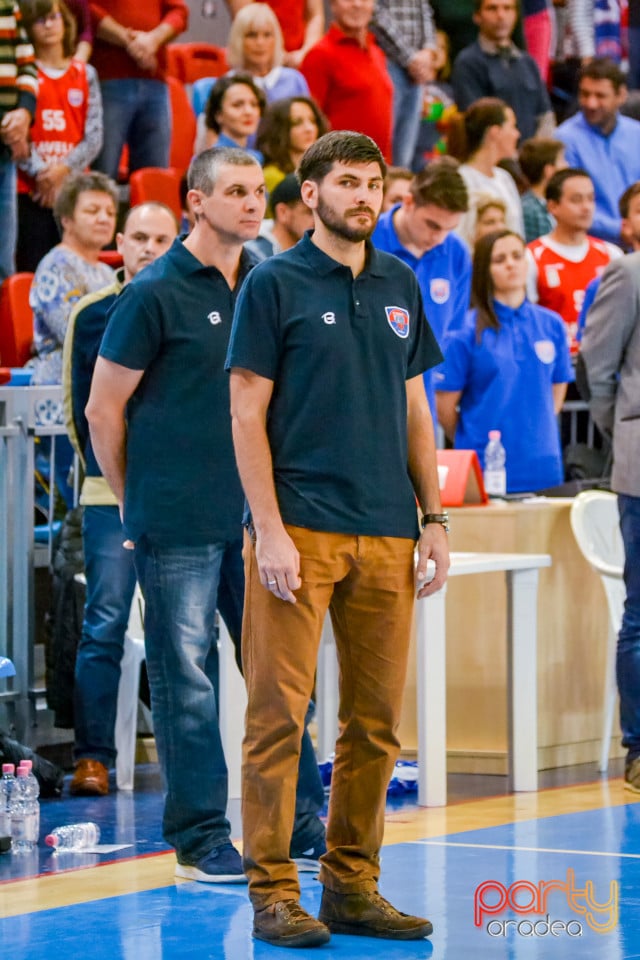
(398,319)
(75,97)
(545,350)
(439,289)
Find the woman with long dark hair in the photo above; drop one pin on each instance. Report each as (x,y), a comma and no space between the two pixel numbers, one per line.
(288,127)
(480,138)
(507,369)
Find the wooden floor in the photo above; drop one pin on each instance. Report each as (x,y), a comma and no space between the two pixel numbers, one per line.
(124,902)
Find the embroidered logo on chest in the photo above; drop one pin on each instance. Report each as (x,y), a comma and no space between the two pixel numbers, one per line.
(329,317)
(398,319)
(439,288)
(214,317)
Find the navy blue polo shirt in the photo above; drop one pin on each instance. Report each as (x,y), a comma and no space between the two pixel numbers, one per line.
(339,350)
(173,321)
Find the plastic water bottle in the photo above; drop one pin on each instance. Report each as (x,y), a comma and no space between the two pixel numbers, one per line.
(74,836)
(495,472)
(33,791)
(6,788)
(23,810)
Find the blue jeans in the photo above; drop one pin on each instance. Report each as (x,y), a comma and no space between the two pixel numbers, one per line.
(8,218)
(111,580)
(135,112)
(628,652)
(407,111)
(307,828)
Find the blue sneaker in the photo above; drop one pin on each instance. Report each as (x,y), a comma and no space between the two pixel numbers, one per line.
(223,864)
(307,860)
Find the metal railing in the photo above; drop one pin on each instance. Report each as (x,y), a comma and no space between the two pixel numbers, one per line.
(26,413)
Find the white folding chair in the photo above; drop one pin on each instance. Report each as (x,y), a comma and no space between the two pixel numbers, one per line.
(595,525)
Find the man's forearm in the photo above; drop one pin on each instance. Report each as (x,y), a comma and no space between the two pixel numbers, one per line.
(255,466)
(423,468)
(108,439)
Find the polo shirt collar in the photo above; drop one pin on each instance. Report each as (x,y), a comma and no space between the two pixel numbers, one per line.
(488,46)
(186,263)
(324,264)
(508,314)
(339,36)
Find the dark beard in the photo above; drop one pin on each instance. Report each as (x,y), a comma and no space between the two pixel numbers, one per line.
(340,227)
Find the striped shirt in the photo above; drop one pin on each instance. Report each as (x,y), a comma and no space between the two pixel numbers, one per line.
(18,83)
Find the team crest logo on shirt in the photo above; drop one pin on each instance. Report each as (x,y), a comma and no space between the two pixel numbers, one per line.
(545,350)
(75,97)
(440,289)
(398,319)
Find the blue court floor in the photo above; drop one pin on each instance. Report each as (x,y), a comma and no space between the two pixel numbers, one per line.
(565,886)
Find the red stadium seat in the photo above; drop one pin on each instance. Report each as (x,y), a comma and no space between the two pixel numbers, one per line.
(155,183)
(16,320)
(188,62)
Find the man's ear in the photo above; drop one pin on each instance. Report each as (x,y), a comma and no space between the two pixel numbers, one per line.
(309,193)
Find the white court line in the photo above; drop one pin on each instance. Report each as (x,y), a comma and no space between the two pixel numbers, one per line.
(497,846)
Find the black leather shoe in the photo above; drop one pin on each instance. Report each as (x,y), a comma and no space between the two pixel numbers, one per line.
(370,915)
(286,924)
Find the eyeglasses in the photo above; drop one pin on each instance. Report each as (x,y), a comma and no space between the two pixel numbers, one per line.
(52,17)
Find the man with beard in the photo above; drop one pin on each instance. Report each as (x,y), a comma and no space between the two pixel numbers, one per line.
(334,441)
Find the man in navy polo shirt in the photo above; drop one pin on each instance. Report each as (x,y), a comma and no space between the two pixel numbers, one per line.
(419,232)
(161,432)
(334,442)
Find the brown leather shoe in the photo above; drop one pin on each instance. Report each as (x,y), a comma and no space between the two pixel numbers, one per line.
(286,924)
(91,779)
(369,915)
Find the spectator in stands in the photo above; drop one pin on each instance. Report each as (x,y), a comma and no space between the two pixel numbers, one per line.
(255,47)
(233,113)
(538,32)
(86,207)
(129,56)
(564,261)
(419,232)
(406,34)
(291,218)
(507,369)
(493,66)
(491,215)
(148,231)
(539,159)
(67,131)
(287,128)
(18,88)
(438,106)
(485,134)
(81,14)
(347,74)
(302,23)
(602,142)
(396,186)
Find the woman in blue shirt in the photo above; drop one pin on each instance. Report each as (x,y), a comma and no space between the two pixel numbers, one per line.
(507,369)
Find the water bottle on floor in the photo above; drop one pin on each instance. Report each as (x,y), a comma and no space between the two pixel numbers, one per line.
(6,786)
(74,836)
(33,791)
(23,812)
(495,470)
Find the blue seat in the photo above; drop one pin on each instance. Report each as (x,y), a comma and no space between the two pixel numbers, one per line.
(200,93)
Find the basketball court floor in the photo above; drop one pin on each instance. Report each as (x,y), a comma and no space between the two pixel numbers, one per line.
(552,874)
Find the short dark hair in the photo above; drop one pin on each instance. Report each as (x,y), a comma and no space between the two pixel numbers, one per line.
(442,184)
(218,91)
(274,132)
(477,5)
(32,10)
(603,68)
(75,184)
(338,146)
(481,282)
(204,169)
(554,188)
(535,154)
(627,197)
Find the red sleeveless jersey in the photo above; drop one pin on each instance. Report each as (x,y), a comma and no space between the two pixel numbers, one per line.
(61,113)
(562,282)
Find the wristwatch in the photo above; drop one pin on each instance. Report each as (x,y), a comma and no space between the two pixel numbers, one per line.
(441,518)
